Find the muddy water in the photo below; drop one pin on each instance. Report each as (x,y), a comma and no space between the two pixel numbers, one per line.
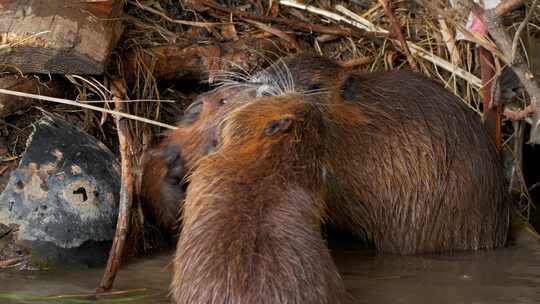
(509,275)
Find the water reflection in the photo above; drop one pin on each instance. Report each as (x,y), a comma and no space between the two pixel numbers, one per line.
(509,275)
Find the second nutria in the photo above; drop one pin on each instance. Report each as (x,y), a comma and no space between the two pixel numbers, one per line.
(408,165)
(197,135)
(412,167)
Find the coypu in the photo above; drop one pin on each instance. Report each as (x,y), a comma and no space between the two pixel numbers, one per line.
(409,166)
(420,173)
(251,222)
(163,188)
(386,159)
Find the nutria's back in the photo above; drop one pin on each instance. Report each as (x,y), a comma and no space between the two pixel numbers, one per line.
(419,173)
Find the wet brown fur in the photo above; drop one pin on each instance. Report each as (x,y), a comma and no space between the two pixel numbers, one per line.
(161,194)
(196,136)
(388,163)
(419,175)
(197,133)
(390,156)
(252,218)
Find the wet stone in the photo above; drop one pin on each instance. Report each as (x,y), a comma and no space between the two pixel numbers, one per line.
(63,198)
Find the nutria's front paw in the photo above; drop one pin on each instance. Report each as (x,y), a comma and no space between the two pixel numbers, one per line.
(172,157)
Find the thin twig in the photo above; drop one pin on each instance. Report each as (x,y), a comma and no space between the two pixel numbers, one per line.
(517,169)
(85,106)
(96,296)
(8,45)
(6,232)
(536,185)
(450,42)
(506,6)
(520,29)
(397,29)
(490,115)
(291,40)
(11,262)
(177,21)
(126,196)
(291,23)
(362,23)
(128,101)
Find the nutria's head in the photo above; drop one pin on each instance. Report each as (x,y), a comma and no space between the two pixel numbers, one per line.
(197,132)
(266,120)
(311,76)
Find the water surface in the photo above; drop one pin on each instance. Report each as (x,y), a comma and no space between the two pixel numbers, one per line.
(509,275)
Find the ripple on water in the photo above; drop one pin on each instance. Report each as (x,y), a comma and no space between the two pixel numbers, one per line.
(509,275)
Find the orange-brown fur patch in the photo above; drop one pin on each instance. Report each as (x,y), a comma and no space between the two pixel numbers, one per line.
(252,218)
(409,166)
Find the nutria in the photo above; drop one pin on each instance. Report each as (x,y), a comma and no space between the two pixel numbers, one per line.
(385,158)
(162,181)
(251,222)
(409,166)
(412,167)
(162,188)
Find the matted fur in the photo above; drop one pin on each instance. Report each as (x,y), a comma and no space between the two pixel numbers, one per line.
(198,132)
(253,213)
(410,167)
(390,156)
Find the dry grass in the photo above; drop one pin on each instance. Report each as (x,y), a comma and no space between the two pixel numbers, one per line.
(428,26)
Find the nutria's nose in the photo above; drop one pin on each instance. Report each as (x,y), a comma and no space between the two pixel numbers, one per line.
(263,90)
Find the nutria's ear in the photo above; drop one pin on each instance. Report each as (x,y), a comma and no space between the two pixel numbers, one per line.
(192,112)
(278,126)
(349,88)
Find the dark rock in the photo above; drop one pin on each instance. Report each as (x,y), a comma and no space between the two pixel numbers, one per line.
(63,197)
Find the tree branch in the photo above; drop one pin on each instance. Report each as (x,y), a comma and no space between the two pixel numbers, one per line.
(505,7)
(397,29)
(126,195)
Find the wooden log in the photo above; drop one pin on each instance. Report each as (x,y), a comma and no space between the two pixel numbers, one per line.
(64,36)
(11,104)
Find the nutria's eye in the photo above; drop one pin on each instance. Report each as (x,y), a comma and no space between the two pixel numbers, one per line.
(194,108)
(314,87)
(264,90)
(350,87)
(192,112)
(222,101)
